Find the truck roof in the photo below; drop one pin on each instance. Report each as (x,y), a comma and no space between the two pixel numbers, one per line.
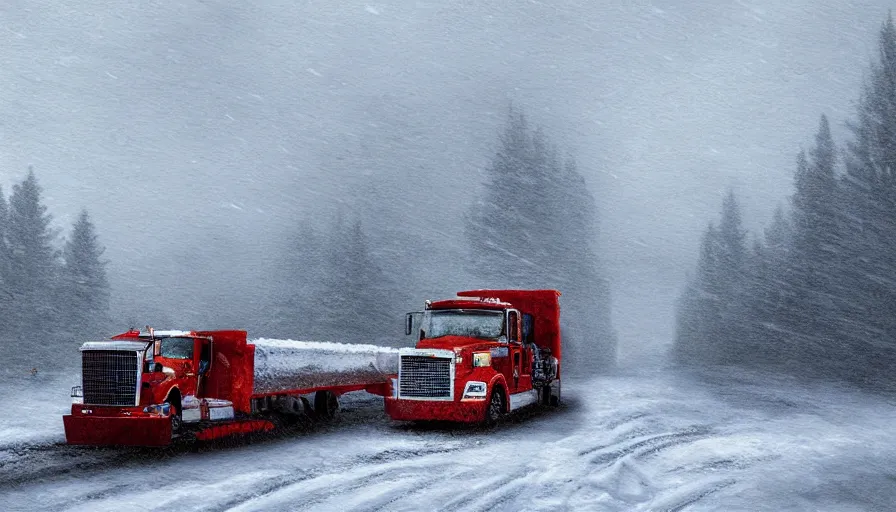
(468,304)
(136,334)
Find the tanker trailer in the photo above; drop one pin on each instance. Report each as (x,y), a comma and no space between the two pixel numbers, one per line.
(147,388)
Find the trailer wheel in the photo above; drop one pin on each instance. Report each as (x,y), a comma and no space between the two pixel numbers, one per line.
(496,407)
(326,404)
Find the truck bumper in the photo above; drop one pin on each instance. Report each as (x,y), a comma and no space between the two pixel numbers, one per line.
(117,430)
(463,411)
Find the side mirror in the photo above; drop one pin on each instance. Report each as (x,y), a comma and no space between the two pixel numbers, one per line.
(409,321)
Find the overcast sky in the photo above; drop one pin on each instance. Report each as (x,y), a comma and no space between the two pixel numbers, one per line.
(198,129)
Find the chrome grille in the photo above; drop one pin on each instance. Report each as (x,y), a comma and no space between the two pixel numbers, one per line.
(109,377)
(425,377)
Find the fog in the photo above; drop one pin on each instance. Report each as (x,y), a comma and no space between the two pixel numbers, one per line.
(312,169)
(198,135)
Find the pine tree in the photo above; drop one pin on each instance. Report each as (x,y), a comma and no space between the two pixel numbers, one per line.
(5,291)
(33,261)
(296,290)
(534,228)
(699,315)
(814,266)
(499,230)
(870,237)
(85,285)
(732,262)
(769,293)
(355,292)
(713,322)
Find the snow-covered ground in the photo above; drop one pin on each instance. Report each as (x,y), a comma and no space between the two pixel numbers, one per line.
(32,407)
(649,440)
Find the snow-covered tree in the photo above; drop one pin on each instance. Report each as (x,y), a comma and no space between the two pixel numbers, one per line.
(335,289)
(5,290)
(33,260)
(712,321)
(534,227)
(85,287)
(355,291)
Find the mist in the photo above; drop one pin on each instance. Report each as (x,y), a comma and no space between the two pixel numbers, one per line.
(198,136)
(707,183)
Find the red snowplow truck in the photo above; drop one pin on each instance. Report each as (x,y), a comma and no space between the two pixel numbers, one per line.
(479,356)
(145,388)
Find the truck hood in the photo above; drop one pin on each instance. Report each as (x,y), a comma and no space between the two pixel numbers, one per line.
(452,342)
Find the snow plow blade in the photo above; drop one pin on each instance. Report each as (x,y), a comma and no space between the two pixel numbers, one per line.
(117,431)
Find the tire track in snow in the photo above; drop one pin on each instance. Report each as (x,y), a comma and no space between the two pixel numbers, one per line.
(610,476)
(263,490)
(624,420)
(25,462)
(649,444)
(699,495)
(37,462)
(376,475)
(496,493)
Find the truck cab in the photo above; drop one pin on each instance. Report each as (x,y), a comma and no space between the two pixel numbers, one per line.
(142,387)
(479,356)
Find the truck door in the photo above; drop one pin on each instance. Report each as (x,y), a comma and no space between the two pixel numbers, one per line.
(520,378)
(203,364)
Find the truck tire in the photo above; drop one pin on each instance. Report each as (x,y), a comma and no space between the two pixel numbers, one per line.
(496,407)
(325,405)
(177,421)
(554,399)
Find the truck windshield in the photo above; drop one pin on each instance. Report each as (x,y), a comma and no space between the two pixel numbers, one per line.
(459,322)
(177,348)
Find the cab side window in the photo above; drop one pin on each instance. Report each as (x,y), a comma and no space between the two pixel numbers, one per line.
(528,329)
(513,328)
(205,357)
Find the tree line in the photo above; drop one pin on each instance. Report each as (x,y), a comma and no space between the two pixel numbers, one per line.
(816,295)
(46,287)
(532,225)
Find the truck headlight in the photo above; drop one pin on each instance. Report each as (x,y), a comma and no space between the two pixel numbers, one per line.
(482,359)
(77,395)
(475,389)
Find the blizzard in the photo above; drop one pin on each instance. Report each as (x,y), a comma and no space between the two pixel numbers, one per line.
(646,439)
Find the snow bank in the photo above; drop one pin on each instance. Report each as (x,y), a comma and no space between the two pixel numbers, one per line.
(33,407)
(291,364)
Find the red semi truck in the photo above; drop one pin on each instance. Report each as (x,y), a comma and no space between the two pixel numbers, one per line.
(144,388)
(479,356)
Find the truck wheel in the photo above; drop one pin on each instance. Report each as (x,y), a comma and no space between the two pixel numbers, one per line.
(496,407)
(325,404)
(176,421)
(554,395)
(546,395)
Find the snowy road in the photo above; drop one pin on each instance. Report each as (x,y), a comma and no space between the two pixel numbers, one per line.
(647,441)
